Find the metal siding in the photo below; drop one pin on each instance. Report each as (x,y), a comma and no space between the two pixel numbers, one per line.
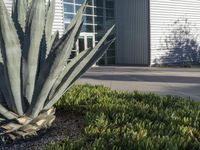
(163,14)
(132,32)
(8,4)
(58,19)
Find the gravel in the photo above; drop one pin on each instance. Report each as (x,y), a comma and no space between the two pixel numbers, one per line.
(65,126)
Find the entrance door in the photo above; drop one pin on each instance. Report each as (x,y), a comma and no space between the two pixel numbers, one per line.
(85,41)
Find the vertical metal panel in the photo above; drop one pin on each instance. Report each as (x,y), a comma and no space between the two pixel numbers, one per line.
(132,32)
(58,20)
(8,4)
(59,17)
(164,13)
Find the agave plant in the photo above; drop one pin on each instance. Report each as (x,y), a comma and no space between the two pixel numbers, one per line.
(35,70)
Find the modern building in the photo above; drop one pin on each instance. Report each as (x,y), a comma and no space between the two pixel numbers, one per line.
(148,32)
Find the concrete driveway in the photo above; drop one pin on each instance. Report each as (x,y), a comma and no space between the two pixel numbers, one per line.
(179,82)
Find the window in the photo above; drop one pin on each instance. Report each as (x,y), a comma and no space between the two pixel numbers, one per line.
(68,18)
(109,13)
(98,3)
(98,20)
(66,25)
(88,10)
(79,1)
(109,4)
(88,19)
(90,2)
(69,8)
(87,28)
(99,28)
(77,7)
(69,1)
(98,11)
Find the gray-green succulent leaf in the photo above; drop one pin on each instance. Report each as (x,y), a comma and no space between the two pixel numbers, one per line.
(34,67)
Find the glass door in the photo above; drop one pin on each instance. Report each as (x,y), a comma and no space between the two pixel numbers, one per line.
(85,41)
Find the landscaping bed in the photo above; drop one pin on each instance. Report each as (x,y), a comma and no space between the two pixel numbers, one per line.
(67,125)
(131,121)
(98,118)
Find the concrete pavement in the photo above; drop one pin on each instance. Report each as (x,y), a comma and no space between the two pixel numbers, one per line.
(183,82)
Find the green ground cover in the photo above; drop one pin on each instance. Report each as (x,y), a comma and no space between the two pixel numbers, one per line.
(131,121)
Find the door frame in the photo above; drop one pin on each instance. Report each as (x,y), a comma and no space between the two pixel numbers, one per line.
(85,35)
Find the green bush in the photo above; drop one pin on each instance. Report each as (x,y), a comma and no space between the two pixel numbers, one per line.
(131,121)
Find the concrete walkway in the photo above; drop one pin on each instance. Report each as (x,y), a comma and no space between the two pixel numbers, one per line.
(166,81)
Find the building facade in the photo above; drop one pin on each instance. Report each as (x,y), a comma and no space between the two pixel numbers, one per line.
(148,32)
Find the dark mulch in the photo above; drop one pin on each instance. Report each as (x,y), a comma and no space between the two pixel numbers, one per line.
(66,125)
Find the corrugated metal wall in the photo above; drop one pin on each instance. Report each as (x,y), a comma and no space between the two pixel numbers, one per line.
(58,20)
(8,4)
(59,17)
(132,27)
(164,16)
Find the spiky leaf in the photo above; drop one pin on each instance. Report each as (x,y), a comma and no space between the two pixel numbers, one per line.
(54,65)
(79,68)
(34,33)
(49,25)
(11,53)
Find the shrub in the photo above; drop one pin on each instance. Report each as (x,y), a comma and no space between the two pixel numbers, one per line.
(131,121)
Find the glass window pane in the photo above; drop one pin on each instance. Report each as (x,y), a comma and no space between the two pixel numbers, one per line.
(81,44)
(89,42)
(99,28)
(88,19)
(109,4)
(69,1)
(88,11)
(98,3)
(98,11)
(109,13)
(69,8)
(90,2)
(98,20)
(87,28)
(77,7)
(68,18)
(66,25)
(79,1)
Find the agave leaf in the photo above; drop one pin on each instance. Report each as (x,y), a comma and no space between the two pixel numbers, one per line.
(79,68)
(19,11)
(11,53)
(6,113)
(2,101)
(49,25)
(66,69)
(77,17)
(53,66)
(54,39)
(34,33)
(4,89)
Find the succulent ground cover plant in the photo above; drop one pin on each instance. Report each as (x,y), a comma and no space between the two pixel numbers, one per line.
(34,67)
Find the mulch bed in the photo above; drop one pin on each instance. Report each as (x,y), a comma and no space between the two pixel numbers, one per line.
(66,125)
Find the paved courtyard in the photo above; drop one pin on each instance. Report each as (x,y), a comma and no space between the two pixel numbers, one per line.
(183,82)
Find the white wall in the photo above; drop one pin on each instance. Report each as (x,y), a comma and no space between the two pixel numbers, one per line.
(163,14)
(58,19)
